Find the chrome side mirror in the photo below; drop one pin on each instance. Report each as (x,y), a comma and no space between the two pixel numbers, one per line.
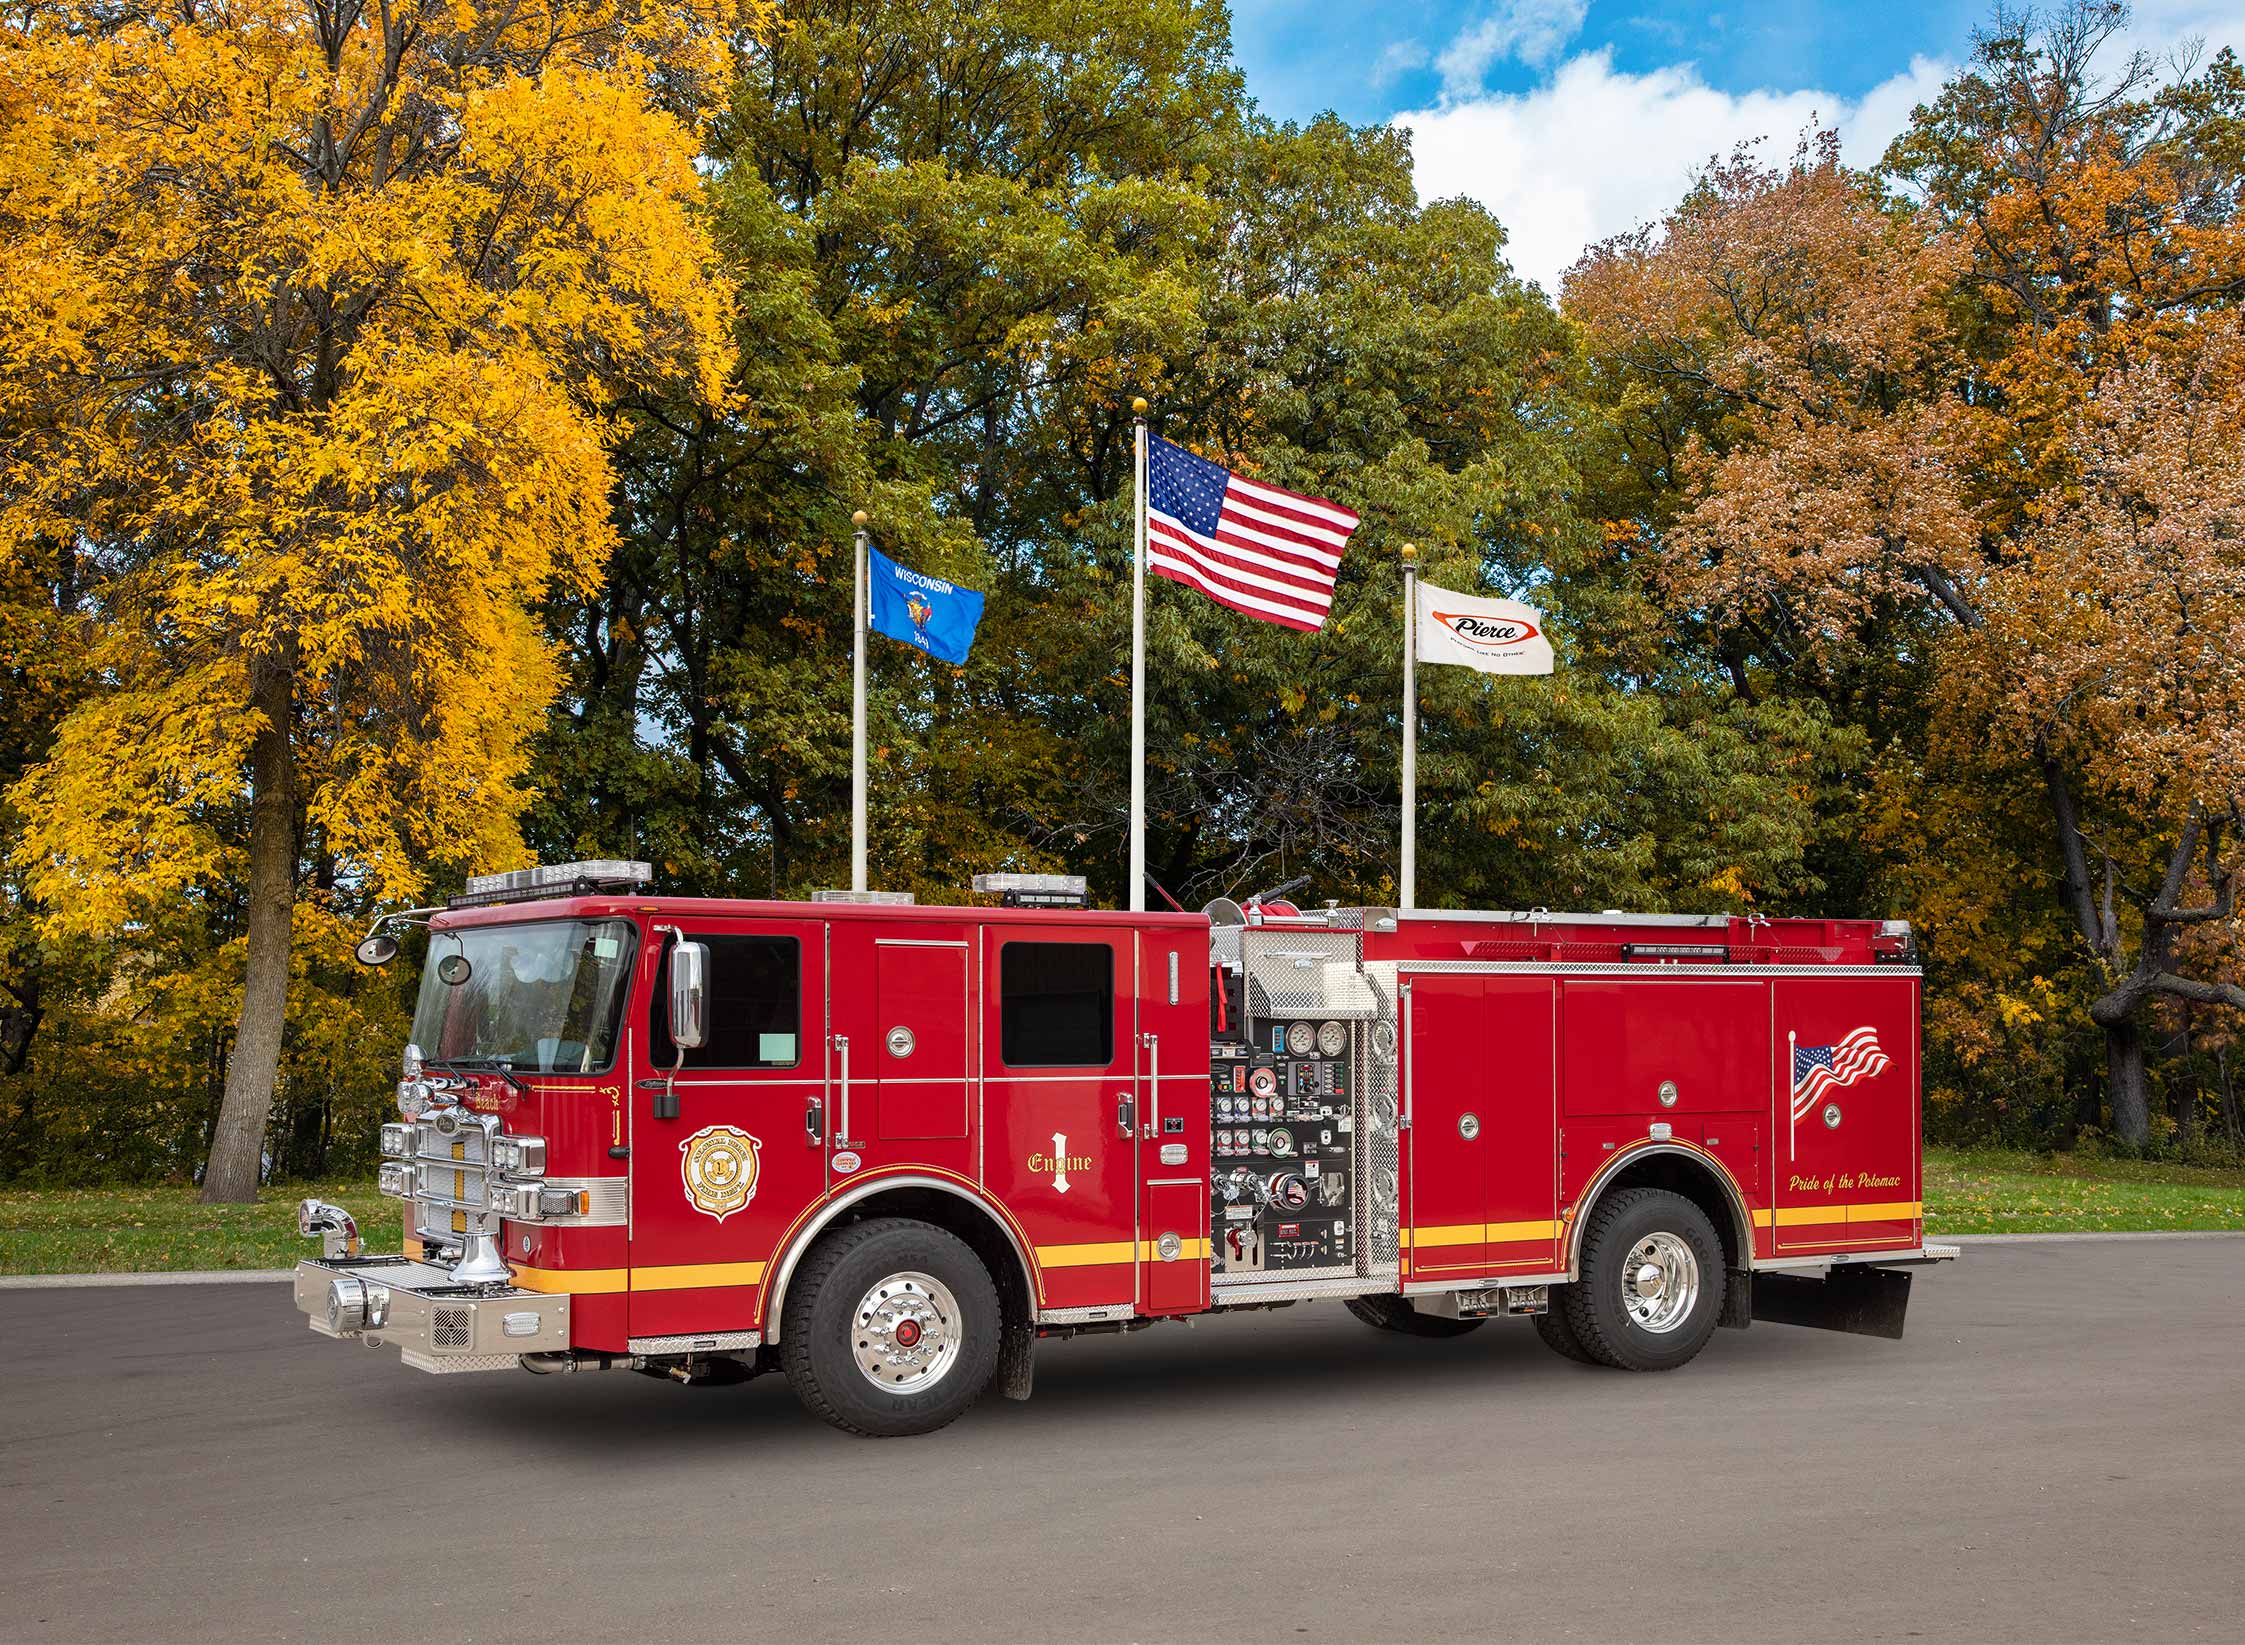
(689,995)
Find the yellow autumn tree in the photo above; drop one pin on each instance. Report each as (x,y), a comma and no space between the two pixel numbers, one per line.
(312,317)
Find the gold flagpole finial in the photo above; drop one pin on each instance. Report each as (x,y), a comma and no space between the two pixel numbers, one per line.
(1410,551)
(859,518)
(1138,407)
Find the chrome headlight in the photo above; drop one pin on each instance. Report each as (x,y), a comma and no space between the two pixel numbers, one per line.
(398,1142)
(533,1201)
(519,1156)
(395,1178)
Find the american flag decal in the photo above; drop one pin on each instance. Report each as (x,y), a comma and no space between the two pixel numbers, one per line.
(1265,552)
(1821,1068)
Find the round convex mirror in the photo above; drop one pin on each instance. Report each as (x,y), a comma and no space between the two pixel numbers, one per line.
(379,949)
(454,969)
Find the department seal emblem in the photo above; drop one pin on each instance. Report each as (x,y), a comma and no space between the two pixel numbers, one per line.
(719,1168)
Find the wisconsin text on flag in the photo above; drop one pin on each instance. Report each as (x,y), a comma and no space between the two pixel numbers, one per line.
(1272,554)
(1821,1068)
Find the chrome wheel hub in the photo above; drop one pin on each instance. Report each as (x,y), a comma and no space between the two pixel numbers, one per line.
(1660,1282)
(905,1333)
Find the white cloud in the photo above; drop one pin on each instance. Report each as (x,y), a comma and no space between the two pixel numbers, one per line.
(1533,31)
(1397,58)
(1594,152)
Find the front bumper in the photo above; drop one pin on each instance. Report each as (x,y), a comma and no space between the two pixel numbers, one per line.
(435,1324)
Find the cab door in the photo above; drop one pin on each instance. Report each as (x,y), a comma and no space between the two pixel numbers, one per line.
(726,1150)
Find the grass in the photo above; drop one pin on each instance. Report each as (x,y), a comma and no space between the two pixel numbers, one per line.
(146,1230)
(1977,1191)
(1989,1191)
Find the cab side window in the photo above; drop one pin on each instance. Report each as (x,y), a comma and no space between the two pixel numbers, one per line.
(755,1006)
(1056,1004)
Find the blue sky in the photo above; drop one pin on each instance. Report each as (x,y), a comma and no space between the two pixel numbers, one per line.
(1576,119)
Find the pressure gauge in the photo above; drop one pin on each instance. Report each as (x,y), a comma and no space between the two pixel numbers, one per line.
(1282,1141)
(1301,1038)
(1332,1039)
(1262,1082)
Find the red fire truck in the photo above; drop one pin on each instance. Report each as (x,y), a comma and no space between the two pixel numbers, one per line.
(885,1148)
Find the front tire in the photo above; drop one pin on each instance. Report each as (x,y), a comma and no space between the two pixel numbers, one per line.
(1652,1281)
(1387,1312)
(892,1328)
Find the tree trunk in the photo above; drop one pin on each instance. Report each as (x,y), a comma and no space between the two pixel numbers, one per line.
(237,1146)
(2124,1080)
(2183,1092)
(2229,1096)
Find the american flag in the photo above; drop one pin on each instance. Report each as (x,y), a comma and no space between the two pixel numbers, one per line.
(1821,1068)
(1269,553)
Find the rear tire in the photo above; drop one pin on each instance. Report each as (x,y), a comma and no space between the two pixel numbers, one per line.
(1652,1281)
(1558,1331)
(892,1328)
(1388,1312)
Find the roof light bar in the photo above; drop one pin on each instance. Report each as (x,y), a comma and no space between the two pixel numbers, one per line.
(553,880)
(1035,890)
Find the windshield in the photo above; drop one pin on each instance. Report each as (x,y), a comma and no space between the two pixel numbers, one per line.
(545,998)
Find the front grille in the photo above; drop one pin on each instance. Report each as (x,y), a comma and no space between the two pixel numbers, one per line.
(452,1176)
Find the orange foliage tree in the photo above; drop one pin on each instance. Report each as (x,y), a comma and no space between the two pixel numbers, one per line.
(1893,426)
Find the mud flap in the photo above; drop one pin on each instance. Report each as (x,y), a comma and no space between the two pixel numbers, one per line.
(1017,1358)
(1867,1301)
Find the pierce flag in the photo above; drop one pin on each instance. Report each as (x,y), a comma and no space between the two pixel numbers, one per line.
(1494,636)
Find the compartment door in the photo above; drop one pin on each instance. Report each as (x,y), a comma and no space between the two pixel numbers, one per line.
(924,1018)
(1446,1109)
(1843,1141)
(1523,1125)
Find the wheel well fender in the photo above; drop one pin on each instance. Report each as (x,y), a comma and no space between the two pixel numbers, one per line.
(924,1199)
(1696,1176)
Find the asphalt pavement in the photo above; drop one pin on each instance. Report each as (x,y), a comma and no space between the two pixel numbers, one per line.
(2053,1453)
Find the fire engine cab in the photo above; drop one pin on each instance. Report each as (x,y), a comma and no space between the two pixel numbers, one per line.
(886,1148)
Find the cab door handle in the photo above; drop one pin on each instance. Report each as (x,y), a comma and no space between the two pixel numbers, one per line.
(1126,1114)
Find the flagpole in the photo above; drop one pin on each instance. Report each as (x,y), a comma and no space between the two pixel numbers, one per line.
(1410,726)
(1138,669)
(1792,1097)
(859,590)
